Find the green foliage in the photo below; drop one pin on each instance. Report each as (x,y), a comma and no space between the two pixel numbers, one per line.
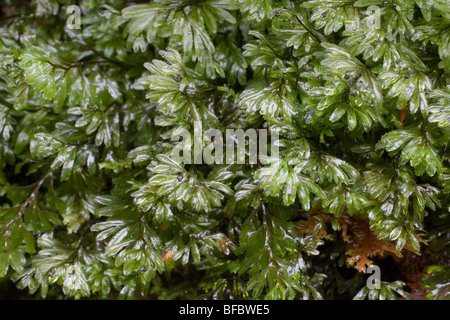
(274,260)
(386,291)
(93,206)
(438,281)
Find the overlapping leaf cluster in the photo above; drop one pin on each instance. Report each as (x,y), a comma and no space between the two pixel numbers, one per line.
(92,204)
